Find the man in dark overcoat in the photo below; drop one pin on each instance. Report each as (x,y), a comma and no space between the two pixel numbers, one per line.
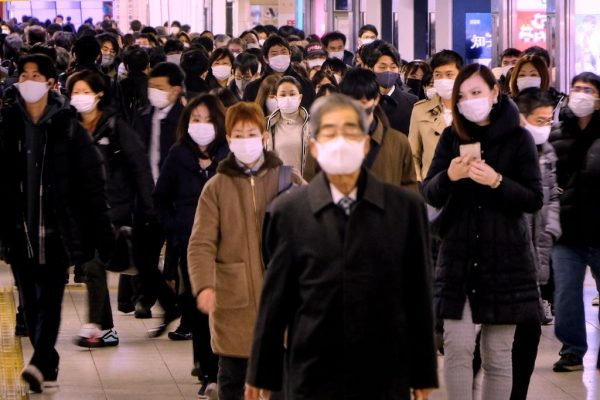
(348,278)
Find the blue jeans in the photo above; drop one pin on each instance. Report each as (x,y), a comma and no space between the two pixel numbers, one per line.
(570,263)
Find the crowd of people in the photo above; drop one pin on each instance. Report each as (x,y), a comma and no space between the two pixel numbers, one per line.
(317,217)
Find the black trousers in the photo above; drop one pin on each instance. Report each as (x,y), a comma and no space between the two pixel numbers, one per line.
(147,242)
(99,309)
(524,353)
(41,291)
(191,317)
(232,378)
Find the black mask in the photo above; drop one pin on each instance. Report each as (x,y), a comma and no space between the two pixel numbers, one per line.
(415,85)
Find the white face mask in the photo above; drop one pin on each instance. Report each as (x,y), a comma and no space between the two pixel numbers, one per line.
(367,41)
(582,104)
(476,110)
(32,91)
(221,72)
(201,133)
(107,60)
(430,92)
(505,69)
(337,54)
(288,104)
(272,105)
(315,62)
(174,58)
(340,156)
(253,46)
(540,134)
(174,30)
(280,63)
(84,103)
(247,150)
(158,98)
(529,82)
(261,42)
(122,71)
(338,78)
(444,87)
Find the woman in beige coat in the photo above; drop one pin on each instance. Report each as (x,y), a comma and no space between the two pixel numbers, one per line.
(224,258)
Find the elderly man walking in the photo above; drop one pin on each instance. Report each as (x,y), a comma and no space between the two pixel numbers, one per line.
(352,286)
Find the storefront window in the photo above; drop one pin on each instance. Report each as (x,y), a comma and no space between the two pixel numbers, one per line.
(587,36)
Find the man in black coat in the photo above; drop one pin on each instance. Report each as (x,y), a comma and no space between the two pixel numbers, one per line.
(396,100)
(276,51)
(53,208)
(156,125)
(356,307)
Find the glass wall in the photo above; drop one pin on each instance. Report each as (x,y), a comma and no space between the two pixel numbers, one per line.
(79,10)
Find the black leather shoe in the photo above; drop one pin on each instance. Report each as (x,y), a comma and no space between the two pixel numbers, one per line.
(178,334)
(162,328)
(142,311)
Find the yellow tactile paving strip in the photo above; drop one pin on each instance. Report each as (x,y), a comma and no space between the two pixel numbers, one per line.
(11,355)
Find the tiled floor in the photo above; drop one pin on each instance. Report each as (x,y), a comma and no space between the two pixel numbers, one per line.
(159,369)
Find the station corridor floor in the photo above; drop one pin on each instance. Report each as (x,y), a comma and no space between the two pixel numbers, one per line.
(159,369)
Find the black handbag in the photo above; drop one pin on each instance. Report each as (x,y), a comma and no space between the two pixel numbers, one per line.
(122,258)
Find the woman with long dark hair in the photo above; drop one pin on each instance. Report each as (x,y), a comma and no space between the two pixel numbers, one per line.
(191,162)
(485,176)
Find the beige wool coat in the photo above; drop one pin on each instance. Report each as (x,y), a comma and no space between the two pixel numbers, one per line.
(224,251)
(426,125)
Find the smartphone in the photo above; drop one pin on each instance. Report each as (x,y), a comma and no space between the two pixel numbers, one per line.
(473,150)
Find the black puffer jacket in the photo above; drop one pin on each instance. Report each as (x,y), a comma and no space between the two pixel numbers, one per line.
(578,176)
(179,186)
(74,200)
(129,180)
(486,251)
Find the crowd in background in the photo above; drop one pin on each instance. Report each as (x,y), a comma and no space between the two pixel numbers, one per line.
(174,144)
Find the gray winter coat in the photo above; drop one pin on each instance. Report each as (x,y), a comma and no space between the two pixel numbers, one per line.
(545,224)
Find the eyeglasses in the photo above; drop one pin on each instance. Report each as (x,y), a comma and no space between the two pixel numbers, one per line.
(584,89)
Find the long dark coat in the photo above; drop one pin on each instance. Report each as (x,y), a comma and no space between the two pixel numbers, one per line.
(578,176)
(486,251)
(72,185)
(354,295)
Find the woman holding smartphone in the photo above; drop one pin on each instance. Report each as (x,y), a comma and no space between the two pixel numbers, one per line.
(485,175)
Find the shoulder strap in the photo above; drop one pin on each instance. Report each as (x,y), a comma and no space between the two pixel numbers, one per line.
(285,178)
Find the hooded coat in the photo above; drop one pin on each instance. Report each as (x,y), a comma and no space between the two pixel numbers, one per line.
(486,254)
(224,251)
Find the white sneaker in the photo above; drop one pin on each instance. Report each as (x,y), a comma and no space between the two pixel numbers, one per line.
(90,335)
(596,301)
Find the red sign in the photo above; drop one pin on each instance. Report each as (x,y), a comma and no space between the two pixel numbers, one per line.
(291,22)
(531,29)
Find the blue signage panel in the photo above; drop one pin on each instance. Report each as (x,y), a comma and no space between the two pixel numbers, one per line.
(478,36)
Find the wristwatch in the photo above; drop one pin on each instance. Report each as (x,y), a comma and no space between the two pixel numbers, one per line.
(498,181)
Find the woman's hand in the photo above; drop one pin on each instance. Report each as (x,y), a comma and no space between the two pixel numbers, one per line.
(206,301)
(482,173)
(253,393)
(422,394)
(459,168)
